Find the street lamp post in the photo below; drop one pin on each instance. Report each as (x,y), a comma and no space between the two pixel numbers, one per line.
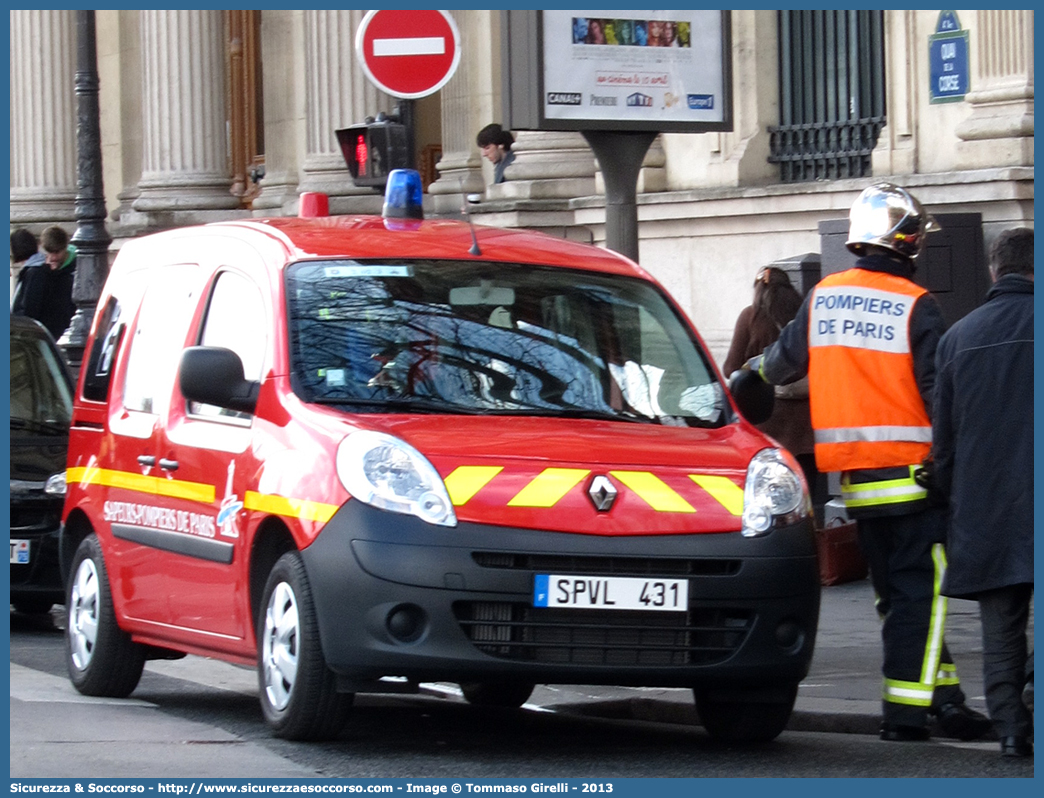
(91,237)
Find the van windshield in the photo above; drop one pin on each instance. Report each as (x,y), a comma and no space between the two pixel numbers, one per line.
(494,338)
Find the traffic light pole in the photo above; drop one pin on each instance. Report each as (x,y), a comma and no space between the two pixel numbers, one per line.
(405,113)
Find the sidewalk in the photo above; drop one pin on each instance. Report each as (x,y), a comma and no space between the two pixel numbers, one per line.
(842,692)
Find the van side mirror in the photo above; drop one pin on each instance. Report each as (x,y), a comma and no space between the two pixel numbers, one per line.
(214,376)
(754,397)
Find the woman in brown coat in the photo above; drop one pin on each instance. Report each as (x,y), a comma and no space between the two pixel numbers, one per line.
(776,302)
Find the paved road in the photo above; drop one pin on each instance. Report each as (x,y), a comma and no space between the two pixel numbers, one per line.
(198,718)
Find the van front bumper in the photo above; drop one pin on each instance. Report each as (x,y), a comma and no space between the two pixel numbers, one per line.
(398,597)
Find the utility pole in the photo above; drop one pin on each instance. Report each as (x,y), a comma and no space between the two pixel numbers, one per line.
(91,237)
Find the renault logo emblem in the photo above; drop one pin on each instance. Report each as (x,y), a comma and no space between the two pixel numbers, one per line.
(603,493)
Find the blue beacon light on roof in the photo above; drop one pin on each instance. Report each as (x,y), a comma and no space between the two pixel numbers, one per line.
(403,196)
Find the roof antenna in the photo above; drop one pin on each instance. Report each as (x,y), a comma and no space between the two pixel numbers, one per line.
(467,215)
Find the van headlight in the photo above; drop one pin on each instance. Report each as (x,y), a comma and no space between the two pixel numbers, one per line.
(55,485)
(775,492)
(386,472)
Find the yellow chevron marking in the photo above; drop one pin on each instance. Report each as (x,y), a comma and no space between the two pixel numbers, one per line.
(727,493)
(292,508)
(466,481)
(172,488)
(548,487)
(653,491)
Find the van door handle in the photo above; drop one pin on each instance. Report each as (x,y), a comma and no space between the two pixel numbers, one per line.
(146,460)
(168,465)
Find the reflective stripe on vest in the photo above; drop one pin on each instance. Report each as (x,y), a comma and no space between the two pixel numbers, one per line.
(867,410)
(888,491)
(874,434)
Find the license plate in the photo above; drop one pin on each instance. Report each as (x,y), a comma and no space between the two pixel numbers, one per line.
(610,593)
(19,552)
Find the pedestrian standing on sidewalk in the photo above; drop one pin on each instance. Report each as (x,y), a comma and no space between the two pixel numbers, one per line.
(44,292)
(866,338)
(774,305)
(983,461)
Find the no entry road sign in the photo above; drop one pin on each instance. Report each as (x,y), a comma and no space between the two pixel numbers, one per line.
(408,53)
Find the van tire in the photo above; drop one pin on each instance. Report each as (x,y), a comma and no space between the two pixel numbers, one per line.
(101,658)
(299,697)
(497,694)
(752,716)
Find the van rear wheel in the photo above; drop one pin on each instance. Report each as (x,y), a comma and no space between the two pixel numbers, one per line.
(299,695)
(745,716)
(101,658)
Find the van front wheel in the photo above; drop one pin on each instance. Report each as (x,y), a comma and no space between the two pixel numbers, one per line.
(299,695)
(497,694)
(102,659)
(745,716)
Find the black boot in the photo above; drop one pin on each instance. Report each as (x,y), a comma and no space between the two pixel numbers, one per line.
(957,720)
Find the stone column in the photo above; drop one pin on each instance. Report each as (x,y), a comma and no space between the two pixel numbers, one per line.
(470,100)
(283,83)
(120,75)
(337,94)
(43,117)
(999,131)
(185,176)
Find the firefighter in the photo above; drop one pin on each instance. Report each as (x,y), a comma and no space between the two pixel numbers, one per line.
(866,338)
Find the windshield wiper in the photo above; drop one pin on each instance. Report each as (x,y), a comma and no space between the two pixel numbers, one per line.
(399,404)
(576,412)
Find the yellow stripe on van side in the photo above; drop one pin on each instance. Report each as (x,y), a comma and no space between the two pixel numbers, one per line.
(654,491)
(548,487)
(179,489)
(727,493)
(291,508)
(466,481)
(126,480)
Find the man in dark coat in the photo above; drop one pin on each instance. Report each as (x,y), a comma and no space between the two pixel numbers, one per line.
(983,450)
(44,291)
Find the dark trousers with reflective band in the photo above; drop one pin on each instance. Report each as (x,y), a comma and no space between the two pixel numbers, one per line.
(1005,614)
(907,564)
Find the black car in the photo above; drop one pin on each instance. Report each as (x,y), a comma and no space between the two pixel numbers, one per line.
(41,408)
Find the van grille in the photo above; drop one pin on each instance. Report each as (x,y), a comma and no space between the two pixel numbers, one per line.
(554,636)
(607,566)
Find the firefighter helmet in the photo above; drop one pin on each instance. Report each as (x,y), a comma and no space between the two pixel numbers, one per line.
(889,216)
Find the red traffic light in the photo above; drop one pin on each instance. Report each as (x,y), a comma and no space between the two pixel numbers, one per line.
(361,155)
(372,150)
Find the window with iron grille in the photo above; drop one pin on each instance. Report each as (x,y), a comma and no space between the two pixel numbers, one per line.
(831,94)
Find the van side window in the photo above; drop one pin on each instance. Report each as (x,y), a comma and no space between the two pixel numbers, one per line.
(235,319)
(98,372)
(163,322)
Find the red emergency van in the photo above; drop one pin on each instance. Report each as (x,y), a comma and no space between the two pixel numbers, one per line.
(361,452)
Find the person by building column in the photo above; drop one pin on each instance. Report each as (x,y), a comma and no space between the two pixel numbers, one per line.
(495,144)
(982,446)
(25,254)
(866,338)
(45,291)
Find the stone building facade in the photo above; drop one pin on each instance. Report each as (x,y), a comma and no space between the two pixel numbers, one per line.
(216,114)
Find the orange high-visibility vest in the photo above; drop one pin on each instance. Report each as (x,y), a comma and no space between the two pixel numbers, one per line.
(867,411)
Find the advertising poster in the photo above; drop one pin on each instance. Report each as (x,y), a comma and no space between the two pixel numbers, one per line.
(657,67)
